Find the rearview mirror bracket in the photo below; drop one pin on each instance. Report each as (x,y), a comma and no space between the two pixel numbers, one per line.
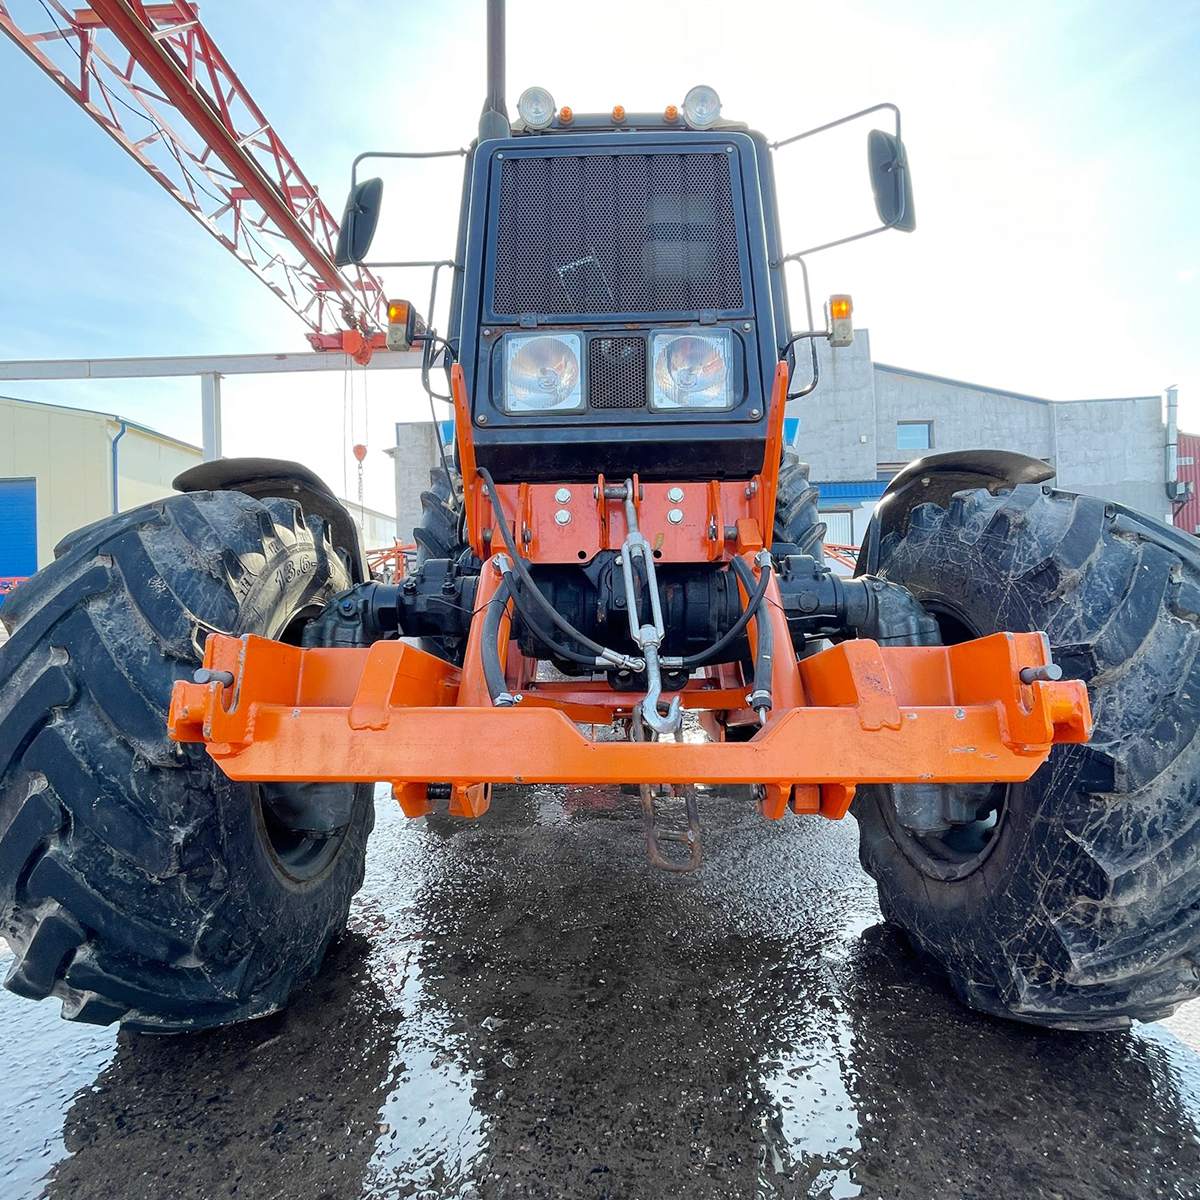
(891,180)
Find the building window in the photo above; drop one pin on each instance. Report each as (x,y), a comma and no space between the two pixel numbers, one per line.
(839,526)
(914,435)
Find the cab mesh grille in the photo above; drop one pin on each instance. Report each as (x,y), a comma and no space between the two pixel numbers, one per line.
(616,233)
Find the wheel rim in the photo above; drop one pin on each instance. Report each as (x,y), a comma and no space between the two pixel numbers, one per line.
(962,849)
(299,854)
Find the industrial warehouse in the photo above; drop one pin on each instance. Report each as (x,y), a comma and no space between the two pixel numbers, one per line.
(585,616)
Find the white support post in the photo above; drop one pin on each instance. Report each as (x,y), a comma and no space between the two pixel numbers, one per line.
(210,415)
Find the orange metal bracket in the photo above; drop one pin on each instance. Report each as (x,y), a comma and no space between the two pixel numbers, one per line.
(773,455)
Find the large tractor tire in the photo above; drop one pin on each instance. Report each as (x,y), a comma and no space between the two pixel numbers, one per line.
(137,882)
(798,525)
(440,533)
(1071,901)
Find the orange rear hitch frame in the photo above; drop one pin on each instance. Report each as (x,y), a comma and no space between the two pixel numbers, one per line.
(862,713)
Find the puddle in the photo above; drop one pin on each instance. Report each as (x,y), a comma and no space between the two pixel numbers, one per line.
(524,1007)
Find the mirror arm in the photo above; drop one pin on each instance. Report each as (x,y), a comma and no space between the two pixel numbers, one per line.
(417,262)
(458,153)
(865,112)
(811,335)
(886,106)
(854,237)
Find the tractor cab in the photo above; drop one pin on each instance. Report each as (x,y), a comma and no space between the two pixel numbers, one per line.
(619,303)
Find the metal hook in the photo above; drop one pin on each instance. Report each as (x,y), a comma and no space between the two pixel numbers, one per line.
(660,723)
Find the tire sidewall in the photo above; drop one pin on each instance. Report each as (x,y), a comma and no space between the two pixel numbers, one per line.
(286,916)
(993,928)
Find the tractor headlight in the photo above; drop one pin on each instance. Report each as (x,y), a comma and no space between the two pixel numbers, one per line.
(541,373)
(691,370)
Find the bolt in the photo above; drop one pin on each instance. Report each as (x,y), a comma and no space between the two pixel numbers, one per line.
(347,606)
(563,495)
(487,333)
(728,149)
(755,413)
(747,326)
(1046,674)
(204,675)
(675,516)
(675,494)
(481,419)
(562,517)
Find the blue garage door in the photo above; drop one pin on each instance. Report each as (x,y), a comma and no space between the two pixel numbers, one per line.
(18,531)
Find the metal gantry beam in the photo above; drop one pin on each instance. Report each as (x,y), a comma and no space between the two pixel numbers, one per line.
(153,78)
(200,364)
(208,367)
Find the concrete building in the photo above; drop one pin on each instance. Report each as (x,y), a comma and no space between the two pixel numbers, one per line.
(61,468)
(413,457)
(866,420)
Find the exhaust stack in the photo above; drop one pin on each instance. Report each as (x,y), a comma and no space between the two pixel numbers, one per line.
(493,121)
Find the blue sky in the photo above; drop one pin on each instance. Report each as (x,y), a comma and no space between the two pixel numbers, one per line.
(1055,152)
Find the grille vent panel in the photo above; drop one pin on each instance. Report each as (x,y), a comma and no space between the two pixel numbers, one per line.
(616,233)
(617,372)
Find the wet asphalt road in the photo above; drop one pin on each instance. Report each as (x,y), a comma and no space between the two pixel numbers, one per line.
(524,1008)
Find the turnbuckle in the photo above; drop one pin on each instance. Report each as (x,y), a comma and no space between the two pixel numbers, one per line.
(648,637)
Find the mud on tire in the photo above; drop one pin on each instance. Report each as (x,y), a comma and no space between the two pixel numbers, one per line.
(1082,911)
(137,882)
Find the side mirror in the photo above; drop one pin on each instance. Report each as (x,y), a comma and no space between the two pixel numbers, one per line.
(891,181)
(359,222)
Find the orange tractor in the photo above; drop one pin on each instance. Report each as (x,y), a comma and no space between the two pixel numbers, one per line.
(199,696)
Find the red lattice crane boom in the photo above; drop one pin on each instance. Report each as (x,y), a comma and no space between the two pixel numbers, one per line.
(206,141)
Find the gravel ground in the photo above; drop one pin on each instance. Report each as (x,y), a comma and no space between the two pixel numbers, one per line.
(524,1008)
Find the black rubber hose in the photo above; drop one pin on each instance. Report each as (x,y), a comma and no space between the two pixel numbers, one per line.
(544,637)
(522,573)
(692,661)
(493,671)
(764,657)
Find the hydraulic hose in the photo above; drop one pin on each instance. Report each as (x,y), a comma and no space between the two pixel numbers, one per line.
(760,697)
(522,572)
(543,635)
(692,661)
(493,671)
